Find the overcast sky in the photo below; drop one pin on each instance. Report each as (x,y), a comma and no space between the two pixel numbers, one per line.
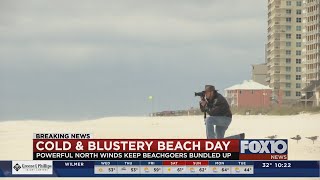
(86,59)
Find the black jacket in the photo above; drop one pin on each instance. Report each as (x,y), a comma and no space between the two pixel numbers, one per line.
(217,107)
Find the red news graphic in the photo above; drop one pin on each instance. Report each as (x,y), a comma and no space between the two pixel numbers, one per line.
(158,149)
(135,149)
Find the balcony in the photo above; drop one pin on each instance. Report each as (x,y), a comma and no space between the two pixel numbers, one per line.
(272,65)
(277,39)
(310,23)
(311,71)
(312,3)
(276,72)
(277,56)
(315,51)
(275,7)
(273,75)
(274,81)
(274,3)
(312,13)
(278,65)
(273,48)
(275,15)
(276,51)
(313,42)
(278,23)
(309,33)
(273,56)
(312,61)
(276,32)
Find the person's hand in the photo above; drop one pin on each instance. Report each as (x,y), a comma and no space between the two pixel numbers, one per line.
(203,103)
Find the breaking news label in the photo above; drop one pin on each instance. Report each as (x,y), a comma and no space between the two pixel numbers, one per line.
(79,155)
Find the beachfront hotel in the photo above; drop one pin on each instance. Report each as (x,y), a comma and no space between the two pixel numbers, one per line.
(292,53)
(311,40)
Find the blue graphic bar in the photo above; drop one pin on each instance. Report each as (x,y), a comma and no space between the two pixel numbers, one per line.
(156,169)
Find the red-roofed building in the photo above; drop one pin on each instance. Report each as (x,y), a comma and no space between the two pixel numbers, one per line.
(250,94)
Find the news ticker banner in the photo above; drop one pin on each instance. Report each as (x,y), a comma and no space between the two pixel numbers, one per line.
(166,168)
(158,149)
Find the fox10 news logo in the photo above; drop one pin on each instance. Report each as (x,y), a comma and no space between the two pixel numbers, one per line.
(264,149)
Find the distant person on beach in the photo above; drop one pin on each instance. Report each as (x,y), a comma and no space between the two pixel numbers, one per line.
(218,108)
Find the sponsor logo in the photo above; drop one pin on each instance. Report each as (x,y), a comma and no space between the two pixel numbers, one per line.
(263,147)
(32,167)
(17,167)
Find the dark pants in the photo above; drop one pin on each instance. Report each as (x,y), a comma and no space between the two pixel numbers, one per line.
(216,126)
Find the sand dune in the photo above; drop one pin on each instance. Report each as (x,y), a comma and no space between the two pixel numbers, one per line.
(16,136)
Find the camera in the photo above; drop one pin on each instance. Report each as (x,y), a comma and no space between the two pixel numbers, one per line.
(201,94)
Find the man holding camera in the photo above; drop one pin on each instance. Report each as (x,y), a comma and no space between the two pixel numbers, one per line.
(218,108)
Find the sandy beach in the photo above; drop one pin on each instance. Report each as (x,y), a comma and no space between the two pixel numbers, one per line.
(16,136)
